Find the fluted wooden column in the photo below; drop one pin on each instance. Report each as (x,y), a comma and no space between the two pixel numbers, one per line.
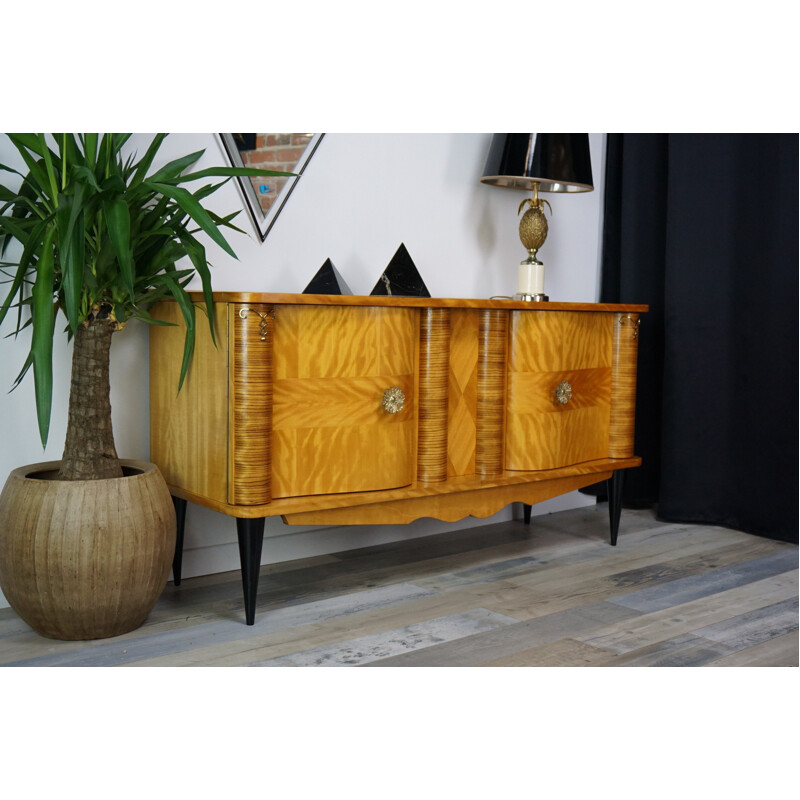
(251,404)
(623,385)
(434,355)
(492,368)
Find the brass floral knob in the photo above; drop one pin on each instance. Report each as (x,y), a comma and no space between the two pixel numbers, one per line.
(563,393)
(393,400)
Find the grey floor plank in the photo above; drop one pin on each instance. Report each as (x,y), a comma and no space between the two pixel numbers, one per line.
(552,594)
(489,646)
(684,651)
(561,653)
(591,522)
(781,651)
(674,621)
(11,625)
(484,573)
(410,638)
(754,627)
(683,590)
(544,561)
(315,578)
(113,652)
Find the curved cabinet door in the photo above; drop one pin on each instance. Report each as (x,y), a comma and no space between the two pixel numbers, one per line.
(548,350)
(330,430)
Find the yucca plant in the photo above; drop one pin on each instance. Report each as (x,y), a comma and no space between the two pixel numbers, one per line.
(99,241)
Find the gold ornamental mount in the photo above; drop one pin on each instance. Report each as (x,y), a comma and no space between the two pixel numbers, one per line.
(563,393)
(393,400)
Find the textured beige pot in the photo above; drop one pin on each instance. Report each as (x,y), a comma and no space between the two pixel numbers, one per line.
(85,559)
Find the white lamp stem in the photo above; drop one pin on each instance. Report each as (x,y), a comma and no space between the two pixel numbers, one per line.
(530,278)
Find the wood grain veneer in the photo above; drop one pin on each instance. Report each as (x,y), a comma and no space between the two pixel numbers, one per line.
(330,430)
(251,329)
(462,394)
(434,352)
(189,429)
(464,486)
(491,406)
(479,378)
(446,507)
(623,385)
(548,348)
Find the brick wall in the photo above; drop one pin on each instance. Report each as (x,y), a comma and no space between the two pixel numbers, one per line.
(278,151)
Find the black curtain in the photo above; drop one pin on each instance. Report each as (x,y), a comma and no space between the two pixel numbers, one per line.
(704,228)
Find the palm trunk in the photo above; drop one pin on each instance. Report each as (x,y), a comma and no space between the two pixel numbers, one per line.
(89,452)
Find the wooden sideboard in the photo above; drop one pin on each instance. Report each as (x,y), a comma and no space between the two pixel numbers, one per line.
(345,410)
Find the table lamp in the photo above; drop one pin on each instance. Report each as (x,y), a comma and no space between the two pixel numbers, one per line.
(537,162)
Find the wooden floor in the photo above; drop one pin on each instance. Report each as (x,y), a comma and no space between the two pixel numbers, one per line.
(552,594)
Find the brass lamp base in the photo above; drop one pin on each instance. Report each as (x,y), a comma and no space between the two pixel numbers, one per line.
(532,234)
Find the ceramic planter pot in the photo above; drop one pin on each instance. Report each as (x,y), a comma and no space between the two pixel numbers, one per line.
(85,559)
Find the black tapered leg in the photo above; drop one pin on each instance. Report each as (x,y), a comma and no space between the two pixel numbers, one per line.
(526,513)
(180,518)
(251,537)
(614,484)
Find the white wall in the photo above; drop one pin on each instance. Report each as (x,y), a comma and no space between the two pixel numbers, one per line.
(361,196)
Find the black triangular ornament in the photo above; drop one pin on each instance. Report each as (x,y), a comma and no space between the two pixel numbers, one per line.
(327,281)
(401,277)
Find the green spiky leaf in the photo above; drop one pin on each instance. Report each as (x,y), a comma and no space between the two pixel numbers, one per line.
(93,227)
(42,339)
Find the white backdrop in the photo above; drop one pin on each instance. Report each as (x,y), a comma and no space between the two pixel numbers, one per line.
(360,197)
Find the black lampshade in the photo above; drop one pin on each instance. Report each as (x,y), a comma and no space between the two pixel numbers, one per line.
(558,162)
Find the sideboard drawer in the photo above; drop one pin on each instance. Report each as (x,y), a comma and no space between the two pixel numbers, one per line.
(330,430)
(548,350)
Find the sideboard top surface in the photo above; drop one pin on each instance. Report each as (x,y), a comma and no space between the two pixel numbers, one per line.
(410,302)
